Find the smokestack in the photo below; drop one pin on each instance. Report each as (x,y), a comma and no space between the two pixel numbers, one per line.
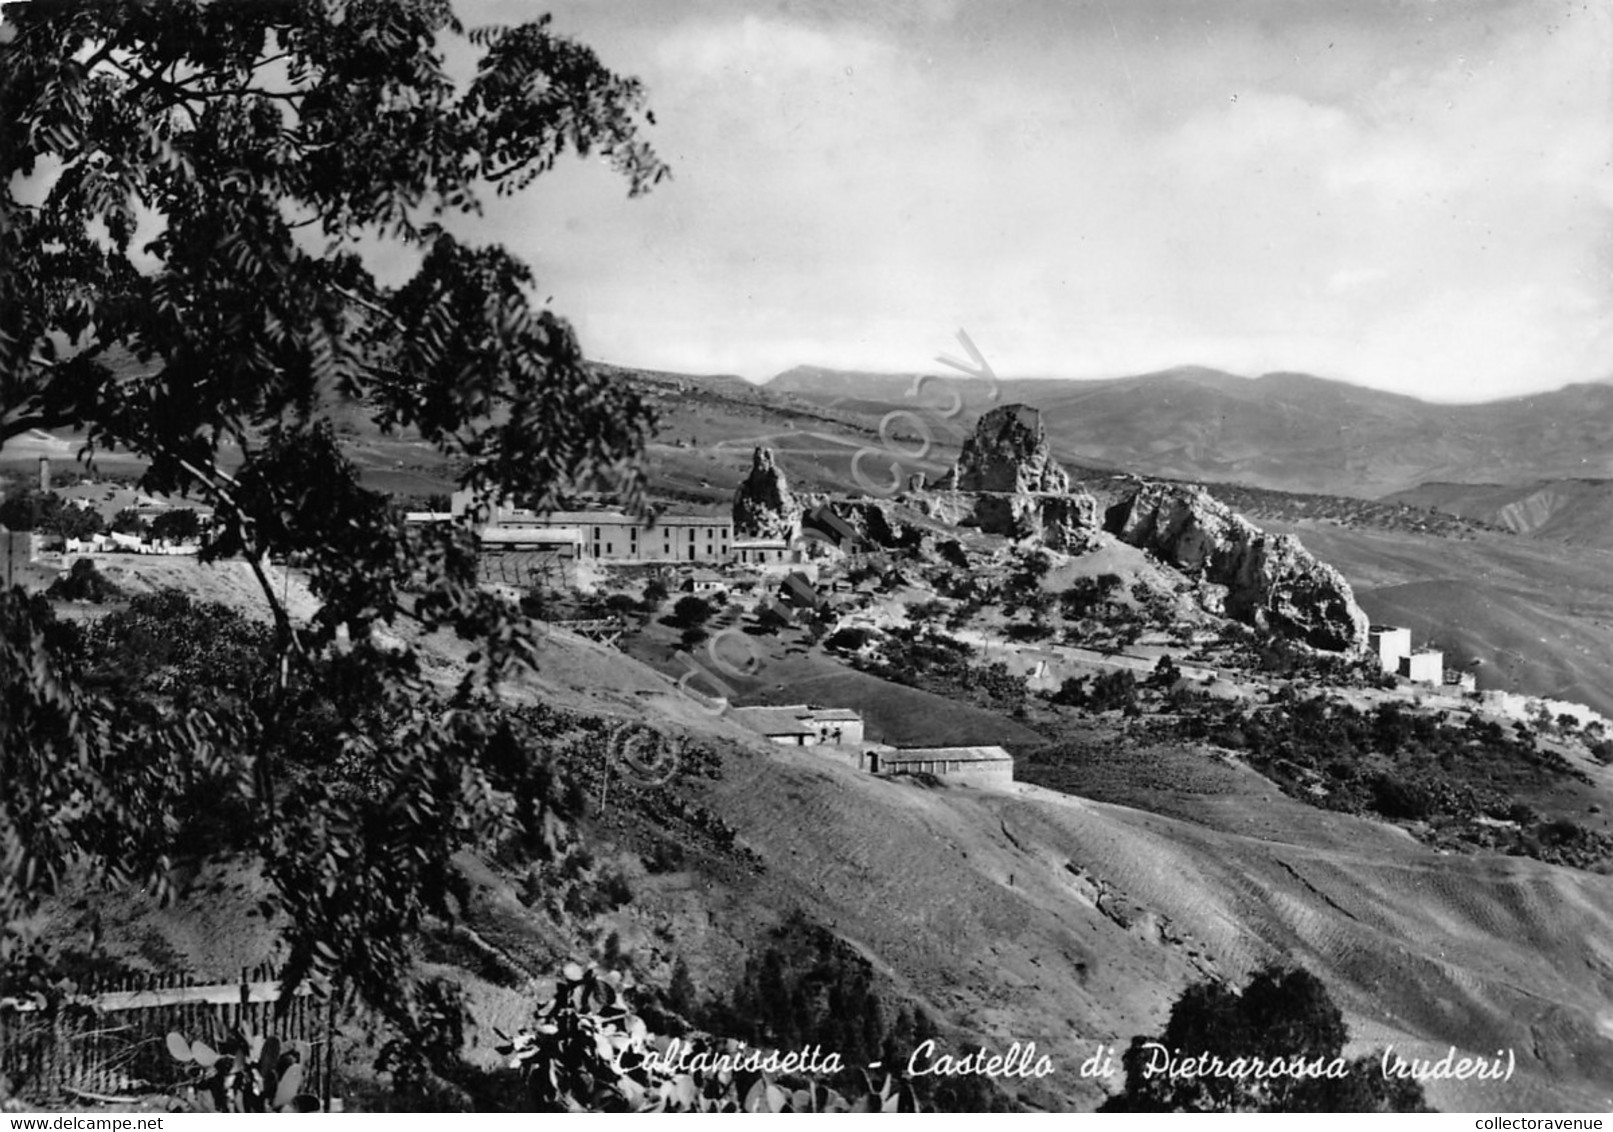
(44,473)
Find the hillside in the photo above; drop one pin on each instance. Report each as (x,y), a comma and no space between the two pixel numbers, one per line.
(1578,512)
(1029,915)
(1292,432)
(1537,615)
(708,426)
(1068,917)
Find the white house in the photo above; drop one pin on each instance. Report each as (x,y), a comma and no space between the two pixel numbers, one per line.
(1424,667)
(801,725)
(1390,643)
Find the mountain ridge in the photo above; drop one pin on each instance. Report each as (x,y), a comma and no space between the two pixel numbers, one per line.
(1282,430)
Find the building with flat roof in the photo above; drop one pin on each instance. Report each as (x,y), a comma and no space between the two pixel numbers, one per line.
(838,726)
(609,535)
(803,725)
(764,552)
(1389,643)
(781,725)
(565,541)
(1424,667)
(990,766)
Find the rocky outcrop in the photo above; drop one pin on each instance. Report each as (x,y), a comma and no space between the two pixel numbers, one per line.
(763,505)
(1006,482)
(1008,452)
(1064,523)
(880,526)
(1272,582)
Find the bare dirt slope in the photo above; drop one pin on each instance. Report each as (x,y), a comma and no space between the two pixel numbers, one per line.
(1030,915)
(1537,614)
(1026,915)
(1575,511)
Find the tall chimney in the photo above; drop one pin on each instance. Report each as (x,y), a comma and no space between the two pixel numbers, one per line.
(44,473)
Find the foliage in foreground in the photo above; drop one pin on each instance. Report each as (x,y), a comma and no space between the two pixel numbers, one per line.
(587,1052)
(190,198)
(249,1073)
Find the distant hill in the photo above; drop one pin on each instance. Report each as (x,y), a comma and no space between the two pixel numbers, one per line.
(1575,511)
(1287,431)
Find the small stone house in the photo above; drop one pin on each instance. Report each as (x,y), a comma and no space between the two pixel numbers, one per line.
(837,726)
(703,582)
(781,725)
(802,725)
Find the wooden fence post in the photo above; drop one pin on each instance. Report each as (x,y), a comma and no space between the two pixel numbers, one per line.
(329,1058)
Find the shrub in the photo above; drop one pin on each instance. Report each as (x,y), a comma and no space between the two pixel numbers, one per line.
(1072,692)
(1086,594)
(690,611)
(1396,798)
(179,525)
(84,582)
(849,639)
(1113,691)
(129,522)
(1281,1014)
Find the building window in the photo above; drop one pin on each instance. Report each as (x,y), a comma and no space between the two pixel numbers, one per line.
(596,534)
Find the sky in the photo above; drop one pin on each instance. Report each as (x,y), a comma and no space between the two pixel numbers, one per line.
(1413,195)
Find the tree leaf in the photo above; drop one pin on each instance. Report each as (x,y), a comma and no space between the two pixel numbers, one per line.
(290,1082)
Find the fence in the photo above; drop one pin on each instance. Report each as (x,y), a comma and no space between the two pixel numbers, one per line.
(108,1041)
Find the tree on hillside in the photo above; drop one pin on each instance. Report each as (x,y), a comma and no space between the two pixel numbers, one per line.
(48,513)
(691,611)
(129,521)
(190,194)
(178,525)
(1283,1018)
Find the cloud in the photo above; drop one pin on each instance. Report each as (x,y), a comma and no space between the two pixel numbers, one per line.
(767,51)
(1410,195)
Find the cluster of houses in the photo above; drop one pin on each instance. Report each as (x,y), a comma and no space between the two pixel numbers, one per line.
(841,731)
(1391,644)
(116,542)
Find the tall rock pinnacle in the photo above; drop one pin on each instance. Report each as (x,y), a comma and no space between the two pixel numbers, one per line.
(1008,452)
(764,506)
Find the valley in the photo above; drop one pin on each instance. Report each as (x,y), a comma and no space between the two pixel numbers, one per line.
(1071,907)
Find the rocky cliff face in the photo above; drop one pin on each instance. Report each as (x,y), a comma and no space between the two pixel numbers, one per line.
(1008,452)
(1272,581)
(1006,482)
(1064,523)
(764,506)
